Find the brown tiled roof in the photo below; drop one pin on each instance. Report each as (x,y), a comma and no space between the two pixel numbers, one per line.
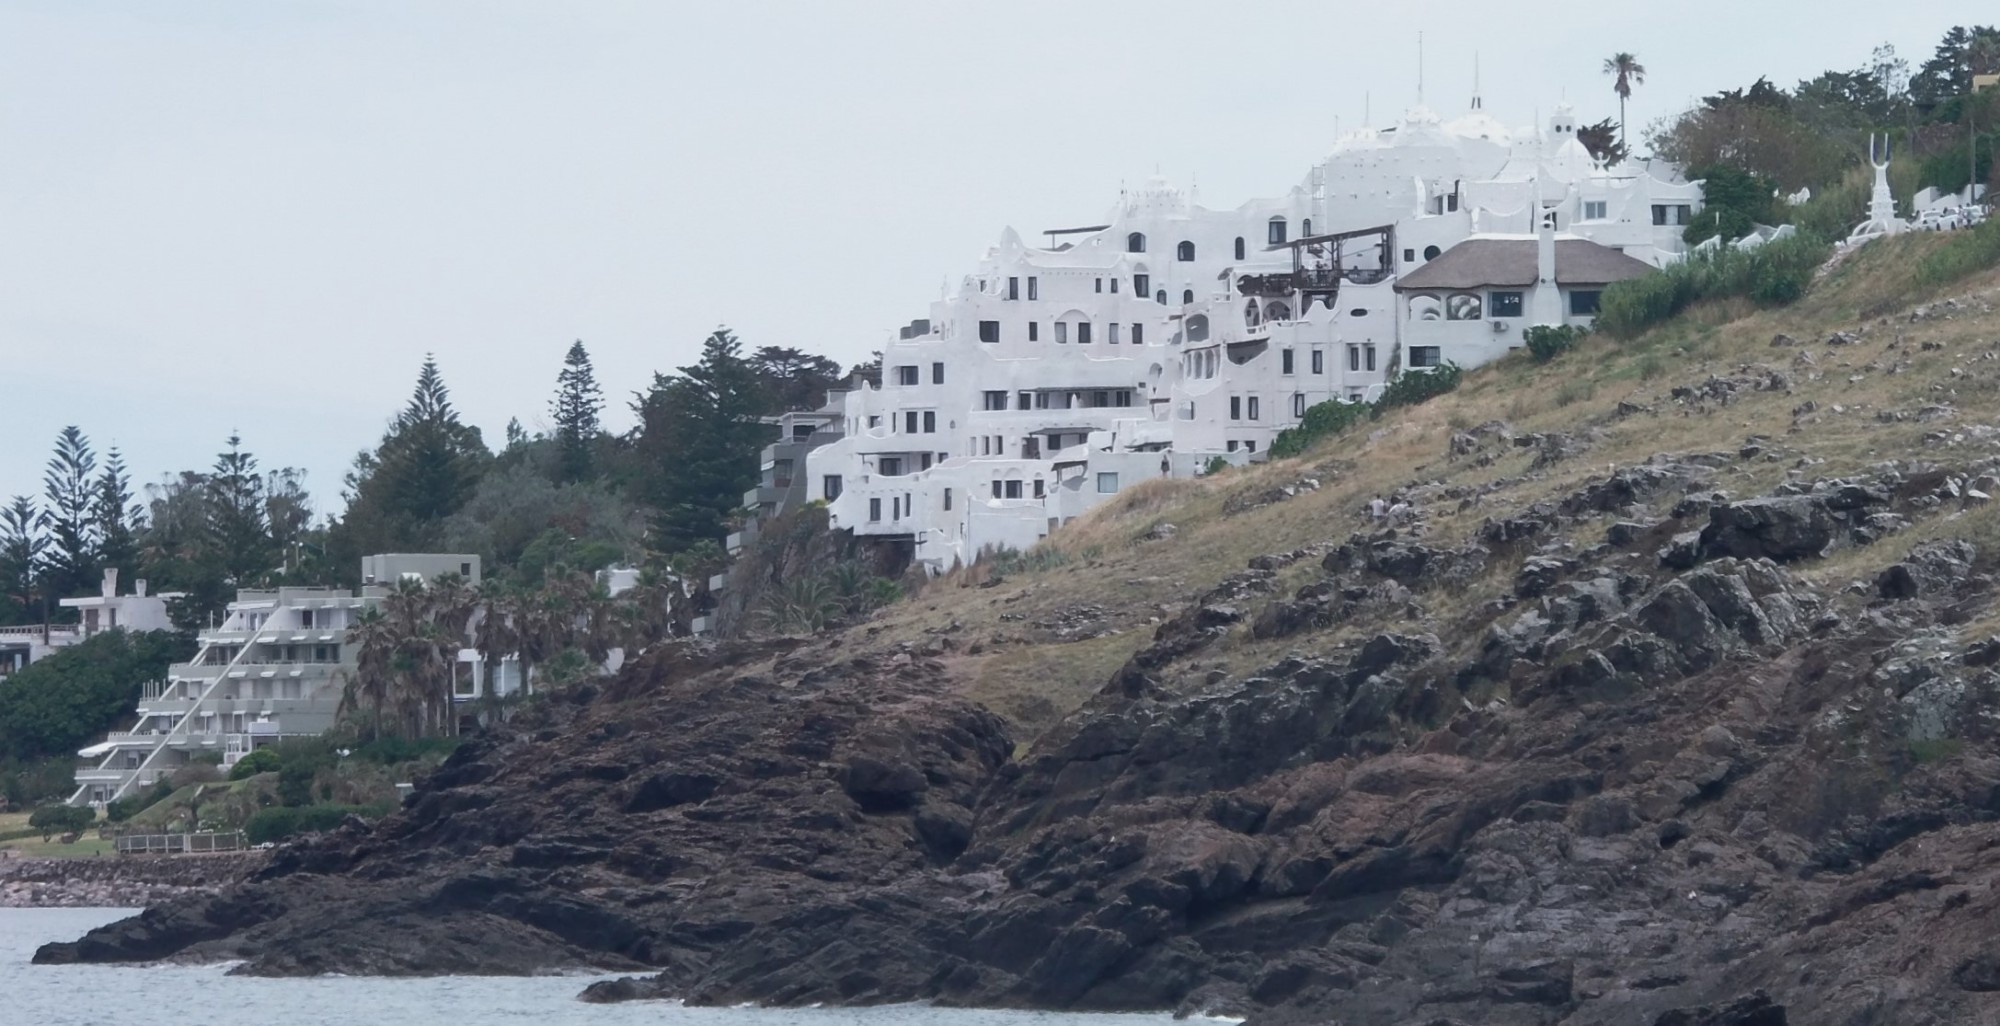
(1483,263)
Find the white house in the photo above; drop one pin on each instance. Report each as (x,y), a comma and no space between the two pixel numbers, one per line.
(104,611)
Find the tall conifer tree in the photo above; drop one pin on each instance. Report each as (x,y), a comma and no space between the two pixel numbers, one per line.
(115,517)
(575,410)
(69,489)
(699,440)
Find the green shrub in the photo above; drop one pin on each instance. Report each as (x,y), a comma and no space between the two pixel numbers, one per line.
(1215,465)
(60,819)
(1773,274)
(60,704)
(1548,341)
(1412,387)
(1321,420)
(1962,253)
(257,760)
(281,821)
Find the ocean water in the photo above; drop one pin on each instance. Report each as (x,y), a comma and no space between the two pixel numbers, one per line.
(98,995)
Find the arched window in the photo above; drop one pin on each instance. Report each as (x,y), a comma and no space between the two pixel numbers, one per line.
(1239,247)
(1306,228)
(1135,243)
(1187,297)
(1431,252)
(1184,252)
(1276,236)
(1197,328)
(1160,297)
(1251,315)
(1277,311)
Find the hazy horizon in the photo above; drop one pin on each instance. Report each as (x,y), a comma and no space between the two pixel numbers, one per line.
(248,217)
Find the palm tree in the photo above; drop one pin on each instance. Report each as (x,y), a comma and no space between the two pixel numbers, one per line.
(371,687)
(1626,72)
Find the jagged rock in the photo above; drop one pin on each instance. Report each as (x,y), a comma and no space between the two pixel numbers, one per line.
(1540,573)
(1782,528)
(1932,568)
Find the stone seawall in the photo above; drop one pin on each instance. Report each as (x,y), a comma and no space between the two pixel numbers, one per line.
(114,881)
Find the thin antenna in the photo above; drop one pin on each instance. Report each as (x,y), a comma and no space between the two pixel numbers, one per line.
(1477,104)
(1420,66)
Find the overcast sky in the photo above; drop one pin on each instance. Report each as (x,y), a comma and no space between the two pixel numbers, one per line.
(257,216)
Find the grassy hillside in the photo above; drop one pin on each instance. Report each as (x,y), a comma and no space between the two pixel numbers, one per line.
(1921,380)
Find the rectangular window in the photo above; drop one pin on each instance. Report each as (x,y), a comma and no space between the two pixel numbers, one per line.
(1235,407)
(1124,397)
(996,400)
(1298,404)
(906,375)
(1062,332)
(1250,445)
(1034,331)
(305,619)
(1027,400)
(1504,304)
(1013,489)
(1138,334)
(1683,214)
(829,487)
(1107,482)
(895,508)
(1034,288)
(1354,358)
(1583,302)
(1100,399)
(923,461)
(989,331)
(1111,333)
(1099,282)
(1141,284)
(947,499)
(1593,210)
(996,488)
(1232,445)
(890,466)
(1318,362)
(1424,356)
(909,422)
(1039,489)
(930,422)
(1013,288)
(1368,356)
(1114,286)
(1083,333)
(1276,235)
(1284,361)
(1409,256)
(937,369)
(1253,409)
(874,511)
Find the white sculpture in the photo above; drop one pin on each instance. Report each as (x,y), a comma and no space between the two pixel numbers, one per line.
(1882,219)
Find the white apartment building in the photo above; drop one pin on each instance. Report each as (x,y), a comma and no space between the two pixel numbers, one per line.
(1168,333)
(275,667)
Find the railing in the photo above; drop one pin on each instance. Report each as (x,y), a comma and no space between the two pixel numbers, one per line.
(180,844)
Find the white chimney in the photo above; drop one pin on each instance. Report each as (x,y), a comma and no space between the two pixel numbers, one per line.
(110,582)
(1545,253)
(139,587)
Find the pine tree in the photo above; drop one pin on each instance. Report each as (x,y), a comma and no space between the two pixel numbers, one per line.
(115,518)
(575,410)
(699,443)
(237,537)
(69,488)
(426,468)
(21,546)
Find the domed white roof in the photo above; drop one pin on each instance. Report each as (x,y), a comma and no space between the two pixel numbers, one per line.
(1478,124)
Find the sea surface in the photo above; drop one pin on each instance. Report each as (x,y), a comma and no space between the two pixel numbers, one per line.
(36,995)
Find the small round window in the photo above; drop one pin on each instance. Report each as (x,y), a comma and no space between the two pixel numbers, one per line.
(1358,312)
(1431,252)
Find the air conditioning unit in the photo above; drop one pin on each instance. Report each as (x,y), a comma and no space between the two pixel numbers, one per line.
(1500,327)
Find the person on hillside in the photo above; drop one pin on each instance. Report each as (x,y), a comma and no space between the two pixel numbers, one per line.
(1377,508)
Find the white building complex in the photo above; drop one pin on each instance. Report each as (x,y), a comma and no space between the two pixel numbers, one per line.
(274,668)
(96,614)
(1168,334)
